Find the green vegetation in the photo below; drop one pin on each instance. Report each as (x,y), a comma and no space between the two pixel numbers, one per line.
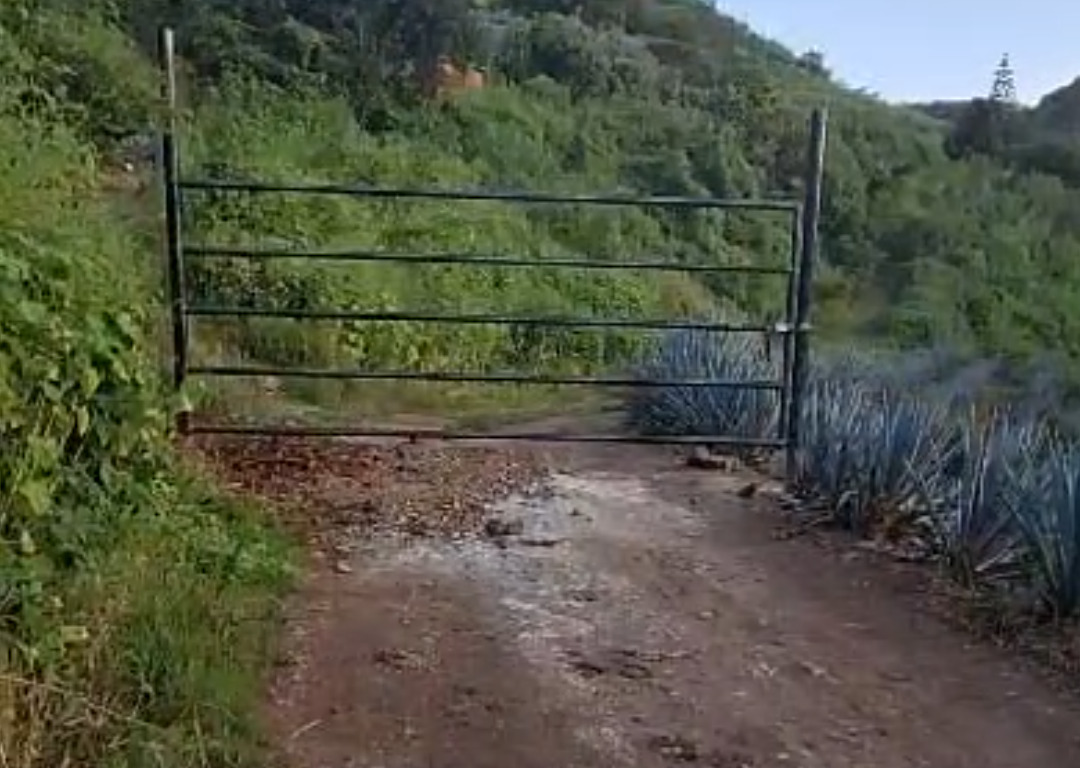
(131,599)
(1044,139)
(922,246)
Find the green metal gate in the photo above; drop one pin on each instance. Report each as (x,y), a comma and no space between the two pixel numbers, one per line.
(796,277)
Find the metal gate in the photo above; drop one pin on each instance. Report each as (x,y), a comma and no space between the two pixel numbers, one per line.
(797,276)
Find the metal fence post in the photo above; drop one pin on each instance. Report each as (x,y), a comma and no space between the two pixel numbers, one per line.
(173,245)
(811,214)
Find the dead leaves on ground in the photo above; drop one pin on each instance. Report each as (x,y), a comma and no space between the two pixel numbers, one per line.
(322,488)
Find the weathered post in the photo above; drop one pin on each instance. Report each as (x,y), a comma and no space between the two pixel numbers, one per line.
(173,246)
(808,242)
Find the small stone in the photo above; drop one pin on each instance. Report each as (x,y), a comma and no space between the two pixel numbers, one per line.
(496,528)
(342,567)
(537,541)
(676,748)
(814,670)
(702,458)
(584,596)
(748,491)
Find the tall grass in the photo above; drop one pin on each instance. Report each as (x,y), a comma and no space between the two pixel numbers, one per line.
(994,493)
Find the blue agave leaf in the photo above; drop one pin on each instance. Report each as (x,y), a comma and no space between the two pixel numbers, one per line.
(1045,502)
(706,410)
(979,533)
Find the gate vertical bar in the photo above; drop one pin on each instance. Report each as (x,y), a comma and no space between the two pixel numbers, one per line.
(788,339)
(173,245)
(811,214)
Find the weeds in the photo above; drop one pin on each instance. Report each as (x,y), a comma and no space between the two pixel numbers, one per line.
(132,604)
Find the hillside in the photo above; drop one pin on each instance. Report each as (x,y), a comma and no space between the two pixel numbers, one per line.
(972,255)
(665,97)
(1058,112)
(1044,139)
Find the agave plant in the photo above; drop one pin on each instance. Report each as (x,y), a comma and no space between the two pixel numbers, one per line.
(705,410)
(829,461)
(910,447)
(869,450)
(980,538)
(1044,499)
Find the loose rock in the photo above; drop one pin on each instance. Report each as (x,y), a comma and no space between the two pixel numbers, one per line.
(703,458)
(496,527)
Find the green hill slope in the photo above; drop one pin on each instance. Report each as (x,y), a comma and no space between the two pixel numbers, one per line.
(1059,112)
(666,97)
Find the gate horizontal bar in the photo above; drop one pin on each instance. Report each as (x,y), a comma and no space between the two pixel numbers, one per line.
(462,378)
(400,193)
(440,434)
(472,260)
(422,317)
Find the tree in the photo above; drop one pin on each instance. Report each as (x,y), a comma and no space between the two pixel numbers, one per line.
(415,34)
(988,126)
(813,61)
(1003,91)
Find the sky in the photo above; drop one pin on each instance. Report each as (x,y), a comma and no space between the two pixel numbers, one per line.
(923,50)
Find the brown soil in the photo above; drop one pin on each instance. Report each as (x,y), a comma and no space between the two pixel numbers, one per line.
(635,613)
(336,493)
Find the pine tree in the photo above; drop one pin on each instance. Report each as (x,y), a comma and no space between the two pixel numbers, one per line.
(988,126)
(1003,90)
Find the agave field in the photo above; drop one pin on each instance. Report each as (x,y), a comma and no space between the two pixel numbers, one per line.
(991,494)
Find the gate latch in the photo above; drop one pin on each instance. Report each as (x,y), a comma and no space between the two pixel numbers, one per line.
(780,330)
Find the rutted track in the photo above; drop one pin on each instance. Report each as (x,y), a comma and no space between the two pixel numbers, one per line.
(637,613)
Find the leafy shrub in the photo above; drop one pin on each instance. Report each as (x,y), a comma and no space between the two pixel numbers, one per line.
(130,601)
(256,131)
(84,67)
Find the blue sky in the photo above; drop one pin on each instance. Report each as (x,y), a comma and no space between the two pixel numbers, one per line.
(916,50)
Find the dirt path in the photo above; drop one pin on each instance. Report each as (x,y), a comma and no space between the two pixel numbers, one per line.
(643,616)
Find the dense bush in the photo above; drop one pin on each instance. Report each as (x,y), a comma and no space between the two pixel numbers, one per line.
(130,600)
(668,98)
(654,96)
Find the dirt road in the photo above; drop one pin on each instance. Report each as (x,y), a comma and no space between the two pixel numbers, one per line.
(641,614)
